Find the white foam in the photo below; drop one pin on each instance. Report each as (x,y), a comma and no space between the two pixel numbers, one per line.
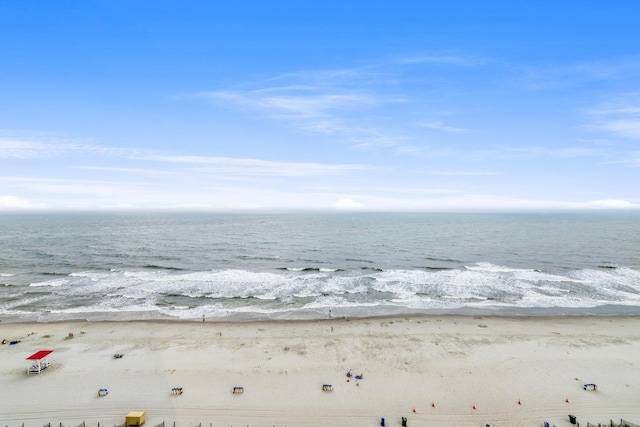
(97,309)
(268,297)
(52,283)
(10,305)
(481,285)
(493,285)
(487,266)
(92,275)
(334,301)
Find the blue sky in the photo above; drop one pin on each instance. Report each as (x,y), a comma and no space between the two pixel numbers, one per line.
(332,105)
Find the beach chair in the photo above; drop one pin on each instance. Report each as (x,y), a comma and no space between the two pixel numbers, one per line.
(103,392)
(327,387)
(238,390)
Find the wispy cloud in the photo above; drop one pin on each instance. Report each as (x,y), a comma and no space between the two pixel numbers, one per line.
(134,171)
(410,149)
(14,148)
(450,172)
(343,102)
(294,106)
(333,77)
(230,167)
(619,118)
(325,111)
(552,77)
(93,188)
(623,128)
(373,138)
(260,167)
(459,59)
(440,126)
(560,152)
(21,149)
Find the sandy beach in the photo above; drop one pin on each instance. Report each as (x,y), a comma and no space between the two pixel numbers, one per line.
(433,370)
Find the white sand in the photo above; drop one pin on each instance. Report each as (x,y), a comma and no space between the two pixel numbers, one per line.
(451,361)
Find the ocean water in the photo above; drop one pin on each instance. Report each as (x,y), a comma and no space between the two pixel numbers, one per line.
(306,266)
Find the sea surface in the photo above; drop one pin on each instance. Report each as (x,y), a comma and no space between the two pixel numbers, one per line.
(312,266)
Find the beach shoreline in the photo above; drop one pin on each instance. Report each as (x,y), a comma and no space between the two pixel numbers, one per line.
(431,369)
(606,310)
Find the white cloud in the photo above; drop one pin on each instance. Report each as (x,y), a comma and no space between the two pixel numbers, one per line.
(373,138)
(560,152)
(260,167)
(331,102)
(410,149)
(135,171)
(437,125)
(347,203)
(449,172)
(611,204)
(91,195)
(456,201)
(327,111)
(301,106)
(8,203)
(44,147)
(16,149)
(328,102)
(619,117)
(575,74)
(87,188)
(622,128)
(442,58)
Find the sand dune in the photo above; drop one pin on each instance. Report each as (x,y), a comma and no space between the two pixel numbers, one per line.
(515,371)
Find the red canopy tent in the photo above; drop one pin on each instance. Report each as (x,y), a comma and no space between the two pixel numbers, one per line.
(38,361)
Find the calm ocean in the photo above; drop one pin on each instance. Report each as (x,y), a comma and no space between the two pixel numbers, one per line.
(301,266)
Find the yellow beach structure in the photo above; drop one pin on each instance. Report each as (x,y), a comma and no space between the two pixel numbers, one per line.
(135,418)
